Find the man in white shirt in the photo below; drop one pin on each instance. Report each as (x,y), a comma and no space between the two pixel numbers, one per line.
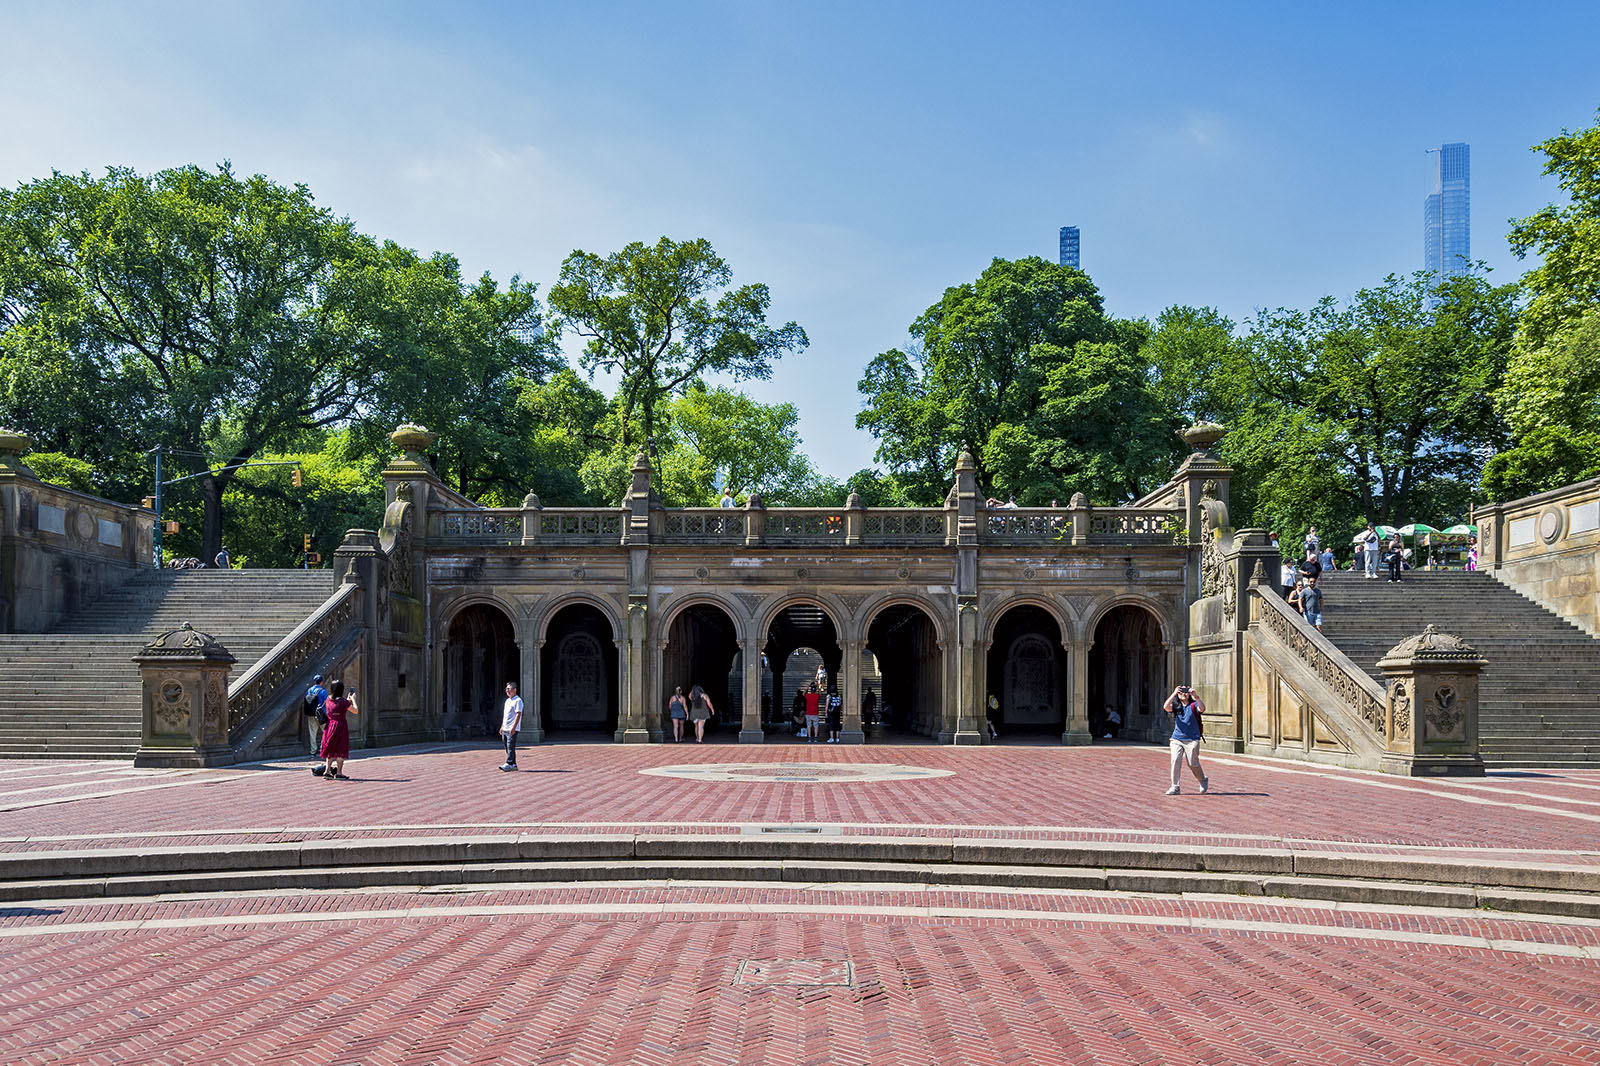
(510,724)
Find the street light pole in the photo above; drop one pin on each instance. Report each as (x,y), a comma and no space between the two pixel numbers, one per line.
(156,561)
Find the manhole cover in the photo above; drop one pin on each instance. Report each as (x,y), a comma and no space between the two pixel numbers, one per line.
(794,972)
(797,772)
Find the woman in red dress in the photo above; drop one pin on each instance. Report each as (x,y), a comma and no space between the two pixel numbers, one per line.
(336,735)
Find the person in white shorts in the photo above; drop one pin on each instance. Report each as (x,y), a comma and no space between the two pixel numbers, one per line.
(1187,732)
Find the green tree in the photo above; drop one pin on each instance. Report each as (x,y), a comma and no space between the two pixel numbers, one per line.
(341,488)
(1551,395)
(662,317)
(189,308)
(1023,367)
(1378,408)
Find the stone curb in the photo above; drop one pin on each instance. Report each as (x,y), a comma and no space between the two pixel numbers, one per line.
(487,859)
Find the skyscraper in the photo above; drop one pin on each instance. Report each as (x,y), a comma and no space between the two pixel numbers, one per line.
(1447,212)
(1069,247)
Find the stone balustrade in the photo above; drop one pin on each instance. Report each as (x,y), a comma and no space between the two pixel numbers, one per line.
(1547,547)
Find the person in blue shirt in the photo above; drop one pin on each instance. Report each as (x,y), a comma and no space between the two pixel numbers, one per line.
(316,699)
(1187,731)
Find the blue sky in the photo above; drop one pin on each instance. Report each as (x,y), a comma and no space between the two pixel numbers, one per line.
(856,157)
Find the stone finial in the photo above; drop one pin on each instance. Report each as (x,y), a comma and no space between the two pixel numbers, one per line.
(530,502)
(854,502)
(13,446)
(755,502)
(1258,574)
(1433,645)
(186,642)
(965,461)
(641,461)
(413,440)
(1202,435)
(1078,502)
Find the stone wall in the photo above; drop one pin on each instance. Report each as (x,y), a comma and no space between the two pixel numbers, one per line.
(1547,547)
(61,550)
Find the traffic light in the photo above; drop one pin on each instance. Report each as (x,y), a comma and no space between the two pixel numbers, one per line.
(295,479)
(307,547)
(313,558)
(148,503)
(169,528)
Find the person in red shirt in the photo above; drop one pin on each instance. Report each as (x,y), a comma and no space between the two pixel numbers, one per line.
(813,711)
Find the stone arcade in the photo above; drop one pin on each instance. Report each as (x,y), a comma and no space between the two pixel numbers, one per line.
(601,612)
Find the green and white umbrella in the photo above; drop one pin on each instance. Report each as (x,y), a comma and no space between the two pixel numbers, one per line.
(1416,527)
(1461,529)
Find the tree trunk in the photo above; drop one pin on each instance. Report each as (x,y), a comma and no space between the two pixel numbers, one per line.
(211,489)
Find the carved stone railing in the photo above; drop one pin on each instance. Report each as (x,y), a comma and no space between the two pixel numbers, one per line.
(1136,525)
(1026,525)
(580,525)
(904,525)
(707,525)
(262,691)
(805,525)
(1361,695)
(482,525)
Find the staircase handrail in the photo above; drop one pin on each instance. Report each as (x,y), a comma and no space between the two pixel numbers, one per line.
(259,690)
(1354,686)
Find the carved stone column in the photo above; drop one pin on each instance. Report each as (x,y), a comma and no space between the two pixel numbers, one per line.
(630,726)
(964,724)
(1077,730)
(850,731)
(185,700)
(1432,706)
(528,650)
(750,731)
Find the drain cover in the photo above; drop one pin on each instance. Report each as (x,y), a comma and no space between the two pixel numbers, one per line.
(794,973)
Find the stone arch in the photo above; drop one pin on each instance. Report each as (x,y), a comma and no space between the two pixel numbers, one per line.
(994,612)
(541,624)
(668,610)
(447,611)
(1159,609)
(480,655)
(702,644)
(942,615)
(782,634)
(580,674)
(1127,668)
(1026,670)
(902,633)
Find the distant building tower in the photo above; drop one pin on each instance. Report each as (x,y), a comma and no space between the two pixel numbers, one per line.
(1069,247)
(1447,213)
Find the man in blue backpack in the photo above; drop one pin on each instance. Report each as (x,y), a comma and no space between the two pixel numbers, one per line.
(316,709)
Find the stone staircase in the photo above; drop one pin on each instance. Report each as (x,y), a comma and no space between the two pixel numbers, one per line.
(74,693)
(1539,697)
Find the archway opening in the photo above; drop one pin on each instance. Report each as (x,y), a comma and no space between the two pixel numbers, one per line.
(1127,675)
(481,655)
(703,649)
(802,649)
(578,675)
(1027,676)
(906,695)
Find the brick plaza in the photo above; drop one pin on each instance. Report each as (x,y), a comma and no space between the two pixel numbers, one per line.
(726,969)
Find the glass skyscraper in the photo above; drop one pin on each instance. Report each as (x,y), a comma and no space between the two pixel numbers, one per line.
(1447,213)
(1069,247)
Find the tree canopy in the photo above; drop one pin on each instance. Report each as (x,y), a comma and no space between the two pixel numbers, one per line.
(1023,367)
(662,317)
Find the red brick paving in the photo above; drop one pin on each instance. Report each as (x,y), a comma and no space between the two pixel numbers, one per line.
(1077,977)
(1109,794)
(558,989)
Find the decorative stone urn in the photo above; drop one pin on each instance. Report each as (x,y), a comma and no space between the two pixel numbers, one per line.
(1202,435)
(1432,706)
(13,446)
(413,440)
(185,698)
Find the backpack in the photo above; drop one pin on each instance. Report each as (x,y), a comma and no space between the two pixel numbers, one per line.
(313,707)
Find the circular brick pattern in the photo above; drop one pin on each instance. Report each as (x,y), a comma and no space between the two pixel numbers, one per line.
(806,773)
